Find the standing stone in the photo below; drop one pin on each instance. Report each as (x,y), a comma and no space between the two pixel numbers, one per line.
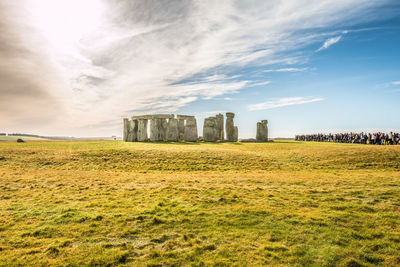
(133,129)
(210,129)
(262,131)
(126,130)
(190,132)
(142,130)
(235,134)
(229,127)
(220,127)
(172,130)
(164,127)
(181,128)
(155,125)
(158,129)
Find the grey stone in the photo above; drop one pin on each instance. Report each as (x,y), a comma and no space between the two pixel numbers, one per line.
(133,129)
(181,128)
(154,116)
(163,127)
(230,115)
(184,117)
(220,127)
(262,131)
(158,128)
(142,130)
(229,127)
(154,129)
(126,130)
(142,117)
(210,129)
(235,134)
(172,130)
(164,124)
(163,116)
(190,133)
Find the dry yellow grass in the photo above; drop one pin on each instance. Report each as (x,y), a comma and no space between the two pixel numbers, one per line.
(282,203)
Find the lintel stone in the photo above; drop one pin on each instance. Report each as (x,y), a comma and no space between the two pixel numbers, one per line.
(184,117)
(153,116)
(141,117)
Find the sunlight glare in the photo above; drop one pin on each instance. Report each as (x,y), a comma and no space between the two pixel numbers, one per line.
(64,23)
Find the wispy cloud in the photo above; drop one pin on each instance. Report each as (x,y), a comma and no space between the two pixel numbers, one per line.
(119,57)
(287,70)
(387,85)
(333,40)
(253,84)
(282,102)
(330,42)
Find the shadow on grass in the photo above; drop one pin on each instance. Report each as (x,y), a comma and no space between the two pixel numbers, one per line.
(187,143)
(288,142)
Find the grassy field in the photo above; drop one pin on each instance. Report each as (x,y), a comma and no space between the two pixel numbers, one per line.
(153,204)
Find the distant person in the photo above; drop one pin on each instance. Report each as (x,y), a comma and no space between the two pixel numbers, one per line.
(377,138)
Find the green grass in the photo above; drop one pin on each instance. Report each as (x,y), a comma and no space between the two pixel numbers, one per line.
(153,204)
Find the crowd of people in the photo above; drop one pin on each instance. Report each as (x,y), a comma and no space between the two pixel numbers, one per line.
(356,138)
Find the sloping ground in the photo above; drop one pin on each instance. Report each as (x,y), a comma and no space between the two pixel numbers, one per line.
(281,203)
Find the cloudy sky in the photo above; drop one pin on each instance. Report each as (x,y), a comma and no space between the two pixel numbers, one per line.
(74,67)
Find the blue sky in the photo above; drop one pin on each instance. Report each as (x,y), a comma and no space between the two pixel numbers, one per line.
(354,82)
(77,68)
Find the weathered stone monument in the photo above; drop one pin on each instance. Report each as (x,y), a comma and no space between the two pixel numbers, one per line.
(156,129)
(158,126)
(235,134)
(213,128)
(163,127)
(172,130)
(210,130)
(126,130)
(142,130)
(262,131)
(231,130)
(132,131)
(190,132)
(220,127)
(181,128)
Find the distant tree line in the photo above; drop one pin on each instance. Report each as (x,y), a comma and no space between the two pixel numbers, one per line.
(378,138)
(59,137)
(21,134)
(39,136)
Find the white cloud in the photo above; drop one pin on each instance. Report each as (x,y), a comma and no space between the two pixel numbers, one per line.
(329,42)
(120,57)
(282,102)
(258,83)
(287,70)
(396,83)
